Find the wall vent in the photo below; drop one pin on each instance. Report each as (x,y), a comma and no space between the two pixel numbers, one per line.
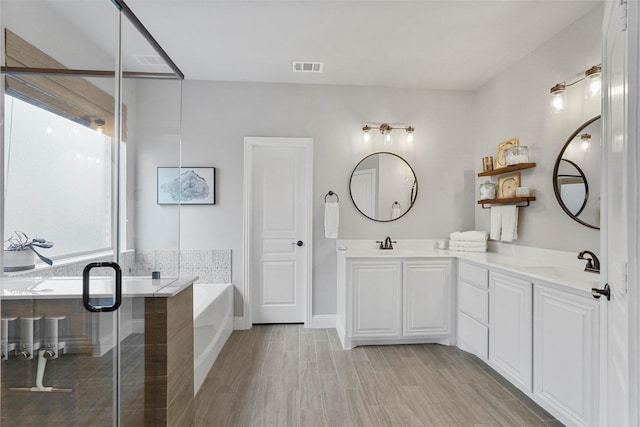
(150,59)
(307,67)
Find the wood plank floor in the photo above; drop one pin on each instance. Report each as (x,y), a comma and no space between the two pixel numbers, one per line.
(286,375)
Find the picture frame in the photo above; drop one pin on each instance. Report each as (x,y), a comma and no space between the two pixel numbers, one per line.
(500,161)
(186,185)
(507,185)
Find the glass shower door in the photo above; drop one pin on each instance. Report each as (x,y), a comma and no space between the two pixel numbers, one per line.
(73,141)
(60,362)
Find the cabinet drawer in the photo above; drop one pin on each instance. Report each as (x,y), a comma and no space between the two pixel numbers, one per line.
(477,276)
(473,336)
(474,302)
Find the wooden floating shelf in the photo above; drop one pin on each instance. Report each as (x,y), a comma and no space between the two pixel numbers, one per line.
(507,201)
(507,169)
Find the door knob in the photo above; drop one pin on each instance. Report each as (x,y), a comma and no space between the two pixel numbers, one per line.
(597,293)
(298,243)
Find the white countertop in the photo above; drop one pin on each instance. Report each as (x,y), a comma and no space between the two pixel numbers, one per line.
(71,287)
(553,267)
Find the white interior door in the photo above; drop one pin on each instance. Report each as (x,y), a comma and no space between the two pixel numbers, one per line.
(280,242)
(619,200)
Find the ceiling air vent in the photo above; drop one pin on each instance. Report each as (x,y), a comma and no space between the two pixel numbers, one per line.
(307,67)
(150,59)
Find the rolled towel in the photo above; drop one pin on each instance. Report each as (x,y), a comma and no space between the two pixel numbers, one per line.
(468,244)
(463,249)
(471,236)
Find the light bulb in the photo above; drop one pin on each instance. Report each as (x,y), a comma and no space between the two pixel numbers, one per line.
(557,102)
(593,82)
(585,145)
(558,98)
(366,136)
(387,138)
(410,138)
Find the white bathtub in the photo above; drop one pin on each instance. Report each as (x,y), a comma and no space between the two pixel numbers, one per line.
(212,323)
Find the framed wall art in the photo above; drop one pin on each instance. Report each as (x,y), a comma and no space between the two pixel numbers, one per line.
(186,186)
(501,162)
(507,185)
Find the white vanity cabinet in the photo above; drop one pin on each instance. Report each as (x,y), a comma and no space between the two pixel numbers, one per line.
(426,298)
(385,301)
(510,329)
(473,309)
(376,289)
(566,343)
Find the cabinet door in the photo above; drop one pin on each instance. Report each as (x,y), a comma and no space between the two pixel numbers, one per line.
(376,299)
(566,354)
(510,328)
(427,298)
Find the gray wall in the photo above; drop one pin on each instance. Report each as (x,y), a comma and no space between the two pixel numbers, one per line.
(454,130)
(516,103)
(217,116)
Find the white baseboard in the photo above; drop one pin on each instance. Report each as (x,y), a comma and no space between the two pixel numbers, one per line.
(323,321)
(240,323)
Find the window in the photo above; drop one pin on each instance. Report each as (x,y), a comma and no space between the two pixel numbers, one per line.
(59,180)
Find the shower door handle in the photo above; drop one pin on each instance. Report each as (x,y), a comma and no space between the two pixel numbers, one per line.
(86,297)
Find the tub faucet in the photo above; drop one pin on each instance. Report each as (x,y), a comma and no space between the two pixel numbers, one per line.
(593,264)
(387,244)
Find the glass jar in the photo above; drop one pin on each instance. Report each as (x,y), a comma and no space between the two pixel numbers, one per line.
(516,155)
(487,191)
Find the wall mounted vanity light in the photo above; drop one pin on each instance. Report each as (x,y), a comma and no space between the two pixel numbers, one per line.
(592,79)
(386,129)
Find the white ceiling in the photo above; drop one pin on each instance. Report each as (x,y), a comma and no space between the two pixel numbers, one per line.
(445,44)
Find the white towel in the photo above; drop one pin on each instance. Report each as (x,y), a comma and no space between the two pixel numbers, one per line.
(504,223)
(509,223)
(469,236)
(467,244)
(496,222)
(395,212)
(331,220)
(462,249)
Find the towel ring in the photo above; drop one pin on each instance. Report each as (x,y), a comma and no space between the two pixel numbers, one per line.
(331,193)
(394,205)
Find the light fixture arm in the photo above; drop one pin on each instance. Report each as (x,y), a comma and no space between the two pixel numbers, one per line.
(386,128)
(596,69)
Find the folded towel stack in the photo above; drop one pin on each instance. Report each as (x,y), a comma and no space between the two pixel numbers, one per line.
(468,241)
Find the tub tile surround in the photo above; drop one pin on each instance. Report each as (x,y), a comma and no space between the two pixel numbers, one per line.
(211,265)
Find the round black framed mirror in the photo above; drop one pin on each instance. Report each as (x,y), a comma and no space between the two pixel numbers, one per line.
(383,187)
(576,174)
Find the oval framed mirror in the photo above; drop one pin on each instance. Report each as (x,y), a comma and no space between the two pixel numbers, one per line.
(383,187)
(576,174)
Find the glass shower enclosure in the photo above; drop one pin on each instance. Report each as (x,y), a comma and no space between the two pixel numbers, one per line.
(91,109)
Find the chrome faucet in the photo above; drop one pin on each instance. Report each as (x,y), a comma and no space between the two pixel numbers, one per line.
(387,244)
(593,264)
